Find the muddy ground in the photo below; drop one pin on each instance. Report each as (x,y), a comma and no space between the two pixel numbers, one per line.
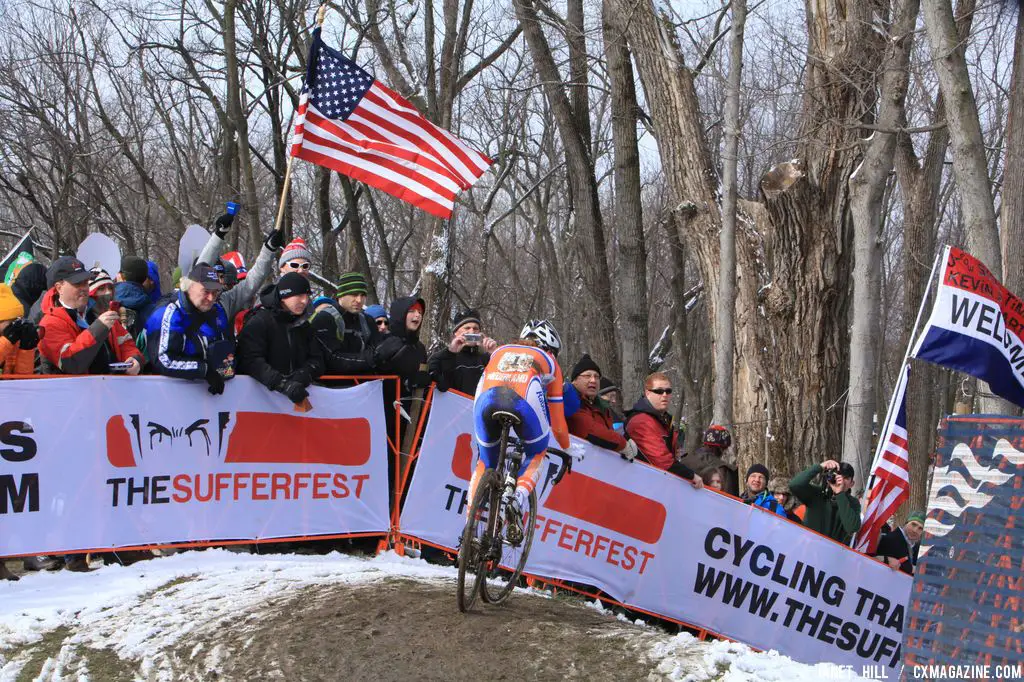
(393,629)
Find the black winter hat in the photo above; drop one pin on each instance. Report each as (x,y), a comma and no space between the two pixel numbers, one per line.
(607,386)
(67,269)
(292,284)
(134,269)
(465,317)
(585,364)
(757,469)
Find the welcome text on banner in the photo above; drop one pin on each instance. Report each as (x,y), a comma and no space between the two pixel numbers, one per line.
(653,542)
(107,462)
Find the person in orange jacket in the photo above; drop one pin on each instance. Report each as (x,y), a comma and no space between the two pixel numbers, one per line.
(18,336)
(80,340)
(522,378)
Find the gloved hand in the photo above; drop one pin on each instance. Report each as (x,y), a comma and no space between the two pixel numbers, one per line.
(630,451)
(295,391)
(274,240)
(300,376)
(29,335)
(223,224)
(13,332)
(216,382)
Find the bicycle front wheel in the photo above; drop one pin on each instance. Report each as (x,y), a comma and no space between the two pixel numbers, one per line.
(475,542)
(498,585)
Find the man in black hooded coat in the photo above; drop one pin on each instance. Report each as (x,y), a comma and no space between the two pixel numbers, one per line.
(30,285)
(276,345)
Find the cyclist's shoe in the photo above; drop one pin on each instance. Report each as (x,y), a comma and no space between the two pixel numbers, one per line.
(514,523)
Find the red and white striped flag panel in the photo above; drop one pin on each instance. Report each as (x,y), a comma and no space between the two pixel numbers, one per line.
(351,123)
(891,473)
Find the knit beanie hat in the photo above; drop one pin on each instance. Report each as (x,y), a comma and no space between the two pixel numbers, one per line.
(585,364)
(352,283)
(296,248)
(376,311)
(100,278)
(757,469)
(10,306)
(607,386)
(916,516)
(292,284)
(134,269)
(465,317)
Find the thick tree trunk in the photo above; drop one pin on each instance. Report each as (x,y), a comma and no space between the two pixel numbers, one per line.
(793,277)
(241,124)
(600,329)
(867,188)
(725,316)
(631,277)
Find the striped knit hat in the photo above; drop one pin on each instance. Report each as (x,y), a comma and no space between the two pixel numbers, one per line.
(99,279)
(296,248)
(352,283)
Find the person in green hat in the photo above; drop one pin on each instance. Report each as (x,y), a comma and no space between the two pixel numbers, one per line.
(347,335)
(898,549)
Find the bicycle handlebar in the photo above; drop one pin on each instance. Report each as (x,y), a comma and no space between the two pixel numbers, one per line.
(566,463)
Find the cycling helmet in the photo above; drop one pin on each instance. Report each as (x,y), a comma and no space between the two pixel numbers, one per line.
(544,333)
(717,437)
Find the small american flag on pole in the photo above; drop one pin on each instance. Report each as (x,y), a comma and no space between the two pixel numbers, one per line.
(890,473)
(352,123)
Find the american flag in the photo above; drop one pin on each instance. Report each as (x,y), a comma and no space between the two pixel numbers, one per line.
(890,474)
(354,124)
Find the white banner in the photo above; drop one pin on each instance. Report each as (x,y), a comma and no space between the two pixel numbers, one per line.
(652,541)
(98,462)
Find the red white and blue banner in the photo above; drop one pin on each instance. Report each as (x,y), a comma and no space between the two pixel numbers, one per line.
(108,462)
(651,541)
(976,326)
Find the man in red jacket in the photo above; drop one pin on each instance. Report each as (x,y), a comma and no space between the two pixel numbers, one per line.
(649,423)
(593,421)
(79,340)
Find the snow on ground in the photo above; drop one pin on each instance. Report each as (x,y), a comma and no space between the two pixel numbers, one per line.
(145,612)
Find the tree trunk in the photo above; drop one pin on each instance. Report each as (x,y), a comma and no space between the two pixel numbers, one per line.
(600,330)
(1012,218)
(867,188)
(361,261)
(241,124)
(920,182)
(631,278)
(970,167)
(725,312)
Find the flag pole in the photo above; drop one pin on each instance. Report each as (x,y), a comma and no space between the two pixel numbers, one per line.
(890,413)
(321,13)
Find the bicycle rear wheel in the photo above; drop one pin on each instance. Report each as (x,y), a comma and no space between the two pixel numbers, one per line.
(476,542)
(494,591)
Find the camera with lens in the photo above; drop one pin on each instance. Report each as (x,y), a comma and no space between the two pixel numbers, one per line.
(831,477)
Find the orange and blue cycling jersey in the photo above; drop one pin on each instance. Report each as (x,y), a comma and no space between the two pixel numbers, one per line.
(527,382)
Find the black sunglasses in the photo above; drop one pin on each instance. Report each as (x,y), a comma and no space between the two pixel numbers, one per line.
(382,323)
(660,391)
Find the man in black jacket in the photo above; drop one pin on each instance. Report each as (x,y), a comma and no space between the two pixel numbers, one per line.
(898,549)
(461,364)
(345,334)
(276,345)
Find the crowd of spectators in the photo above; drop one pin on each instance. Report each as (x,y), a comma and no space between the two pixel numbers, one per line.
(222,319)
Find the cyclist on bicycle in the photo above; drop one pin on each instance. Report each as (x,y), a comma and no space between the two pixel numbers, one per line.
(524,379)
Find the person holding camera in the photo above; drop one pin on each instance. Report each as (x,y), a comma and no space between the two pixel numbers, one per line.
(460,365)
(80,339)
(831,509)
(18,336)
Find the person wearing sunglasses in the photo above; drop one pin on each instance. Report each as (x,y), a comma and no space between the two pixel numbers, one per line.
(380,317)
(296,257)
(649,425)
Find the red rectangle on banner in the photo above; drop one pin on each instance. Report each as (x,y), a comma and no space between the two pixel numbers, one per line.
(594,501)
(289,439)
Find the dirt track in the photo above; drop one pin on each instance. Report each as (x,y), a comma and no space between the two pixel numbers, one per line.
(389,629)
(400,630)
